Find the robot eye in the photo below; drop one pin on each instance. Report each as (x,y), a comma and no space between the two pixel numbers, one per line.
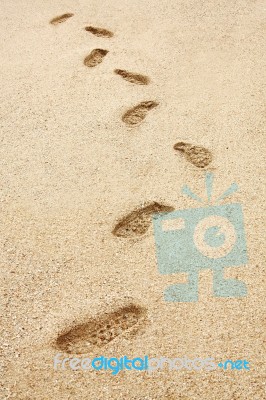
(173,224)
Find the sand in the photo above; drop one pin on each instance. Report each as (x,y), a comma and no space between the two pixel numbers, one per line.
(72,168)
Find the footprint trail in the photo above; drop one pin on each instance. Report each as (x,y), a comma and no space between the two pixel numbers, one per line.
(100,331)
(137,114)
(138,221)
(197,155)
(100,32)
(61,18)
(132,77)
(95,57)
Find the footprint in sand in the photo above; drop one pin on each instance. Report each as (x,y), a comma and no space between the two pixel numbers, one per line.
(136,115)
(138,221)
(61,18)
(100,331)
(95,57)
(132,77)
(197,155)
(100,32)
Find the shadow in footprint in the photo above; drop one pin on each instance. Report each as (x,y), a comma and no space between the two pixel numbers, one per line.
(100,331)
(100,32)
(138,221)
(61,18)
(137,114)
(132,77)
(95,57)
(197,155)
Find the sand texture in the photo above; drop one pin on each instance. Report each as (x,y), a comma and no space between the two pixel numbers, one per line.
(108,108)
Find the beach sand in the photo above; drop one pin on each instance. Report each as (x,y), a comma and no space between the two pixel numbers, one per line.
(82,147)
